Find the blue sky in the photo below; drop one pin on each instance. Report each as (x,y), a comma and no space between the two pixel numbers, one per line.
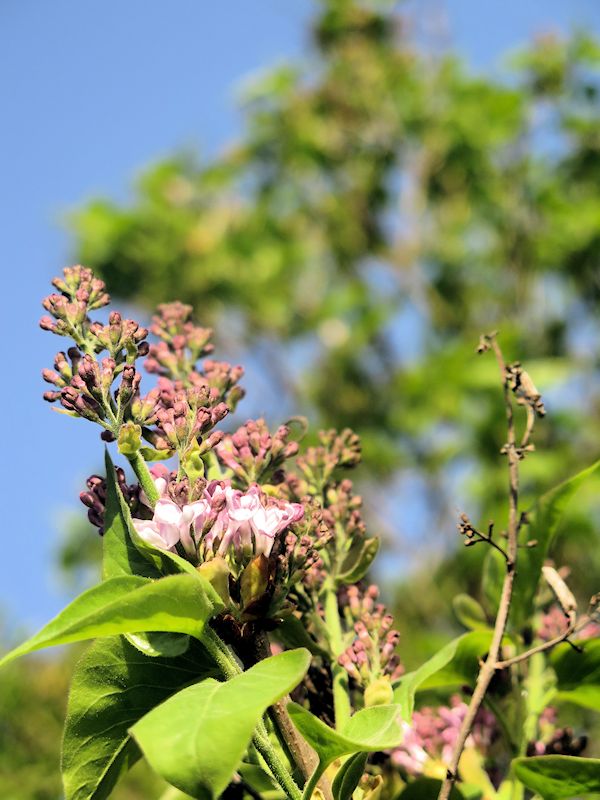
(92,92)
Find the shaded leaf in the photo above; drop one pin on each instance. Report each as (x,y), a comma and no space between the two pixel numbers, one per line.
(578,674)
(358,561)
(113,686)
(555,777)
(469,613)
(457,662)
(348,776)
(544,520)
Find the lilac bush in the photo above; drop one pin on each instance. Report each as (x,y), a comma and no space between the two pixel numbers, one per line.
(250,653)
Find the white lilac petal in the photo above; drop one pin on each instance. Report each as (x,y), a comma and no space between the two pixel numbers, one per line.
(149,531)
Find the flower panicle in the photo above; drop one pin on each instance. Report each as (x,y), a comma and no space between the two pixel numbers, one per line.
(255,455)
(181,345)
(372,652)
(96,379)
(79,292)
(432,734)
(336,451)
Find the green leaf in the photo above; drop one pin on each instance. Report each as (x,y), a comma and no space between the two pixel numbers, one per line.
(129,440)
(426,789)
(578,674)
(469,613)
(367,731)
(457,662)
(113,686)
(179,603)
(119,554)
(348,776)
(150,454)
(544,520)
(555,777)
(197,738)
(124,549)
(492,579)
(292,633)
(121,557)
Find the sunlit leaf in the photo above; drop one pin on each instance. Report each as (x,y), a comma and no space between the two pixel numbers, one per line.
(197,738)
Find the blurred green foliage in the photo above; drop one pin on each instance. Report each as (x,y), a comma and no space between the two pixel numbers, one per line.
(383,207)
(33,701)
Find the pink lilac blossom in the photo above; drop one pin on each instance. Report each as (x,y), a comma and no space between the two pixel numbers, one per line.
(223,521)
(434,732)
(554,624)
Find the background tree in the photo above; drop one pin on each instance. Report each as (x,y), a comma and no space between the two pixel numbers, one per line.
(383,207)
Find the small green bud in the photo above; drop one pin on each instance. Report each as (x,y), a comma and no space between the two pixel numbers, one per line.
(379,693)
(192,463)
(130,439)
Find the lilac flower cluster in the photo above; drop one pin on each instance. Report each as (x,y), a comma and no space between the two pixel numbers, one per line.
(372,653)
(554,624)
(555,740)
(95,497)
(433,733)
(253,454)
(223,522)
(179,413)
(181,345)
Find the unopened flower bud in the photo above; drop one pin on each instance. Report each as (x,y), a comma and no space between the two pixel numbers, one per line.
(379,693)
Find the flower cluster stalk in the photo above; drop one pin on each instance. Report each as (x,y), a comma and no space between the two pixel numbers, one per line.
(341,699)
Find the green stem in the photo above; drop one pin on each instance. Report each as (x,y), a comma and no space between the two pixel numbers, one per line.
(230,668)
(341,697)
(144,477)
(280,773)
(220,653)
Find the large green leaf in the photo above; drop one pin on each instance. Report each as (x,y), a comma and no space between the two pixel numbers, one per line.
(544,520)
(456,663)
(367,731)
(113,686)
(197,738)
(179,603)
(578,674)
(555,777)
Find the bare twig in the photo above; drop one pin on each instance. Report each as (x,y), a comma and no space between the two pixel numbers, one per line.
(540,648)
(489,666)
